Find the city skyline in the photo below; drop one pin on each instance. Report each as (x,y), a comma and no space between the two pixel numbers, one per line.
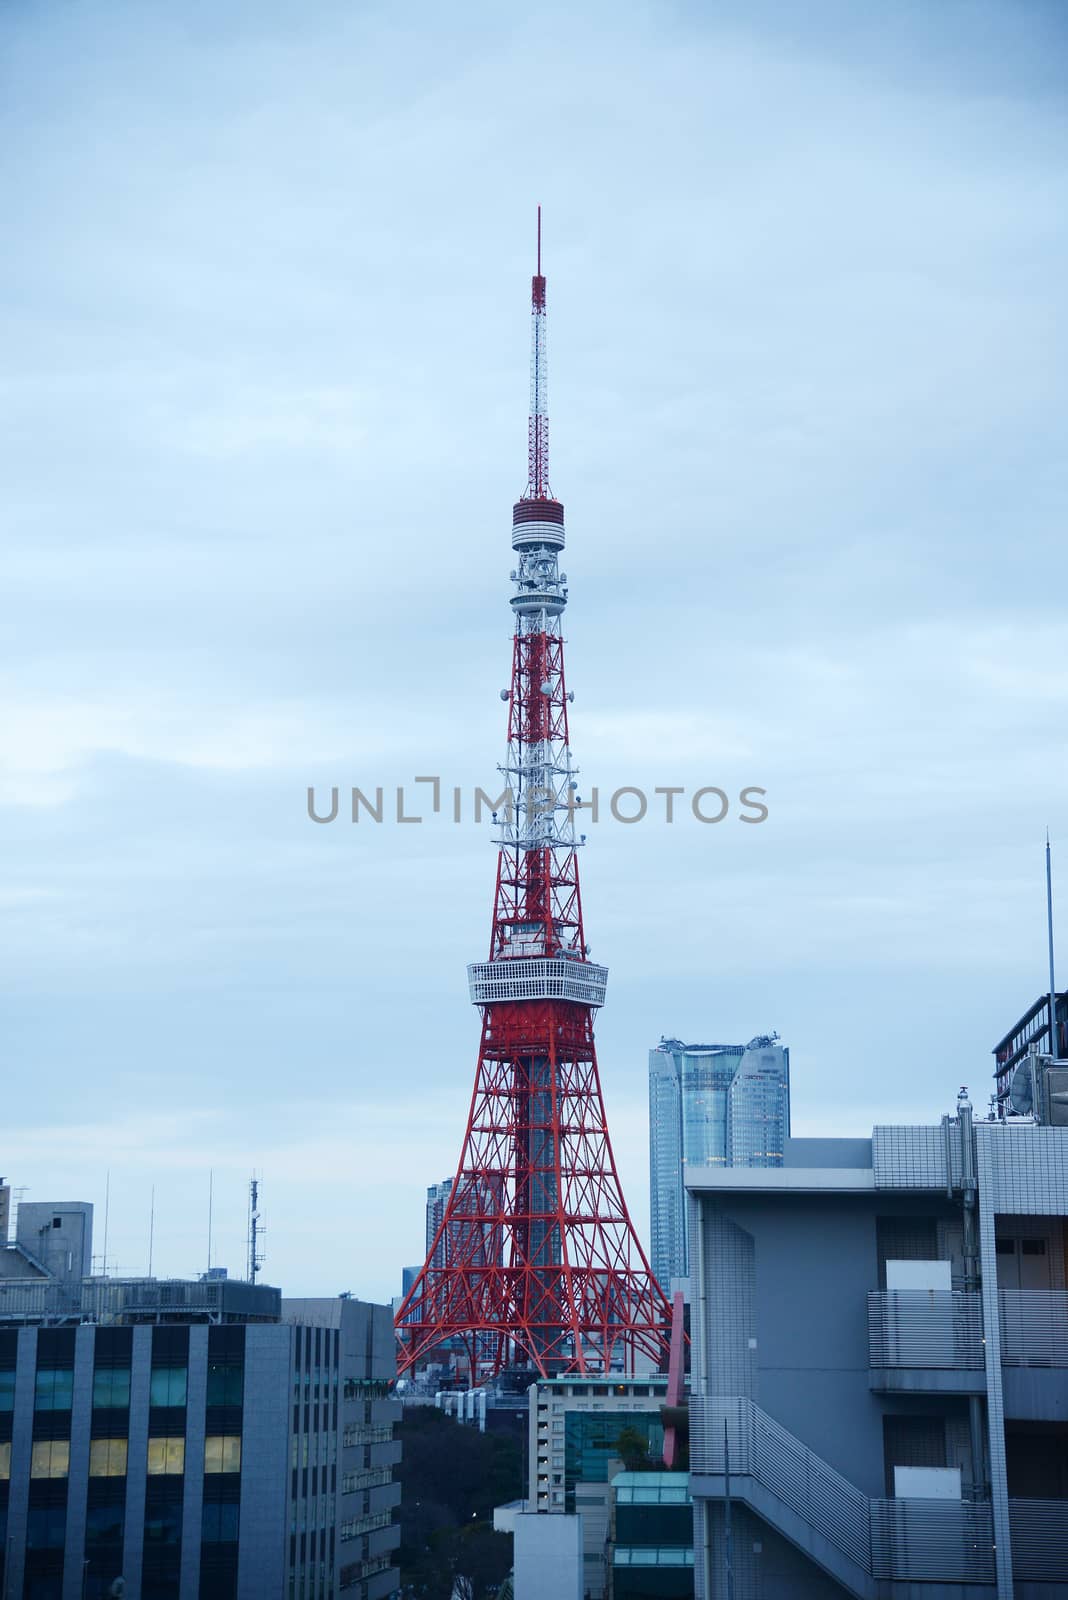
(261,438)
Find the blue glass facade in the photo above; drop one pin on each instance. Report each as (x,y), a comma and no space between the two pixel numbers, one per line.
(710,1105)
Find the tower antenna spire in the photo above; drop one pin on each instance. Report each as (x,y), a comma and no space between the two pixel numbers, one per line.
(538,421)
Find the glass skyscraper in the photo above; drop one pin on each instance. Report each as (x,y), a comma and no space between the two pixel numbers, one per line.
(710,1105)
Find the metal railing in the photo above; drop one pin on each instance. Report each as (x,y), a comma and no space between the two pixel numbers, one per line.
(948,1541)
(935,1329)
(1034,1327)
(128,1300)
(368,1478)
(1039,1531)
(928,1540)
(367,1433)
(780,1463)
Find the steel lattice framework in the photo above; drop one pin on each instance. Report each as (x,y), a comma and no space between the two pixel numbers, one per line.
(536,1262)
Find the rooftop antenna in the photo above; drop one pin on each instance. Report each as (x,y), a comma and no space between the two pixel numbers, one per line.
(255,1254)
(211,1202)
(107,1217)
(1054,1052)
(151,1228)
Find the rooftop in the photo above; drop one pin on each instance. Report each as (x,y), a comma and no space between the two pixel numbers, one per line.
(124,1301)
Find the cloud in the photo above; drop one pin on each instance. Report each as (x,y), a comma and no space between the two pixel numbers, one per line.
(261,426)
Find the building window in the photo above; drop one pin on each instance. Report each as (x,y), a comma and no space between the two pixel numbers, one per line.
(222,1452)
(225,1383)
(7,1391)
(167,1387)
(163,1524)
(104,1524)
(55,1386)
(5,1460)
(166,1456)
(220,1522)
(46,1528)
(107,1458)
(50,1458)
(111,1388)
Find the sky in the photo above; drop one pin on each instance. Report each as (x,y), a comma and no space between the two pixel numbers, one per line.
(264,312)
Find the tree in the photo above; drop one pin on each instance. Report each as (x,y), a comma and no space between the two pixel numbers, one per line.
(633,1450)
(451,1478)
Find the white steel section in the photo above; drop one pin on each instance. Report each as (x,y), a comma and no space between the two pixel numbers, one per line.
(539,584)
(541,778)
(544,978)
(547,533)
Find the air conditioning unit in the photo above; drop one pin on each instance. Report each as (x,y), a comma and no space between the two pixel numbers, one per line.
(1055,1095)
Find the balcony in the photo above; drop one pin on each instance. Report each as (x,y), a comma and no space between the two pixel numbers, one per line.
(1039,1534)
(926,1340)
(1034,1327)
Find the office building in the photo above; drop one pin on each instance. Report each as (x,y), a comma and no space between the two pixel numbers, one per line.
(202,1440)
(710,1105)
(880,1355)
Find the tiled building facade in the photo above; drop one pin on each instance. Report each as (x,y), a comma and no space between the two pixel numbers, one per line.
(205,1442)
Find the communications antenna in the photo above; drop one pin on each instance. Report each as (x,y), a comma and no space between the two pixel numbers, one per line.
(255,1229)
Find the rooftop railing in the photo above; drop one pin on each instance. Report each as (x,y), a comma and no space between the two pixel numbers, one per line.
(127,1300)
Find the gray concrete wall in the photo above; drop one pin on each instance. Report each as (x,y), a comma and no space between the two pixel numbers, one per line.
(262,1553)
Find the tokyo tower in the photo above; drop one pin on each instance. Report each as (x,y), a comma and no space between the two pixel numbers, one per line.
(536,1263)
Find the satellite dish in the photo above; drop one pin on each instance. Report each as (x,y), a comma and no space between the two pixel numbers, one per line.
(1022,1089)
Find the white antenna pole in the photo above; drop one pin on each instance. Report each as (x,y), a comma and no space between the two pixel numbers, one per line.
(151,1228)
(107,1217)
(1049,930)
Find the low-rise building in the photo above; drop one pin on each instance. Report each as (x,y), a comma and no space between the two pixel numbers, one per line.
(880,1366)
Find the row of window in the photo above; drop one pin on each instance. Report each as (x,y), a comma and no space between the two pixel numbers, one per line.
(105,1525)
(54,1387)
(50,1458)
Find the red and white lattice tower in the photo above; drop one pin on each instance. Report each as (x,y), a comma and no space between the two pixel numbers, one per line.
(541,1266)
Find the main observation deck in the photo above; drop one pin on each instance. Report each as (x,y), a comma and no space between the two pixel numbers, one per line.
(537,978)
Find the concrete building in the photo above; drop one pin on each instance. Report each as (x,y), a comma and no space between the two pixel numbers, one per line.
(547,1553)
(710,1105)
(52,1240)
(204,1440)
(575,1427)
(880,1358)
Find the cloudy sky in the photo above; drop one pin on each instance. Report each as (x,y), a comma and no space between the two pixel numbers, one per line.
(263,308)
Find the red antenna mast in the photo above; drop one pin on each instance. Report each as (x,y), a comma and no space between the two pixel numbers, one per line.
(536,1263)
